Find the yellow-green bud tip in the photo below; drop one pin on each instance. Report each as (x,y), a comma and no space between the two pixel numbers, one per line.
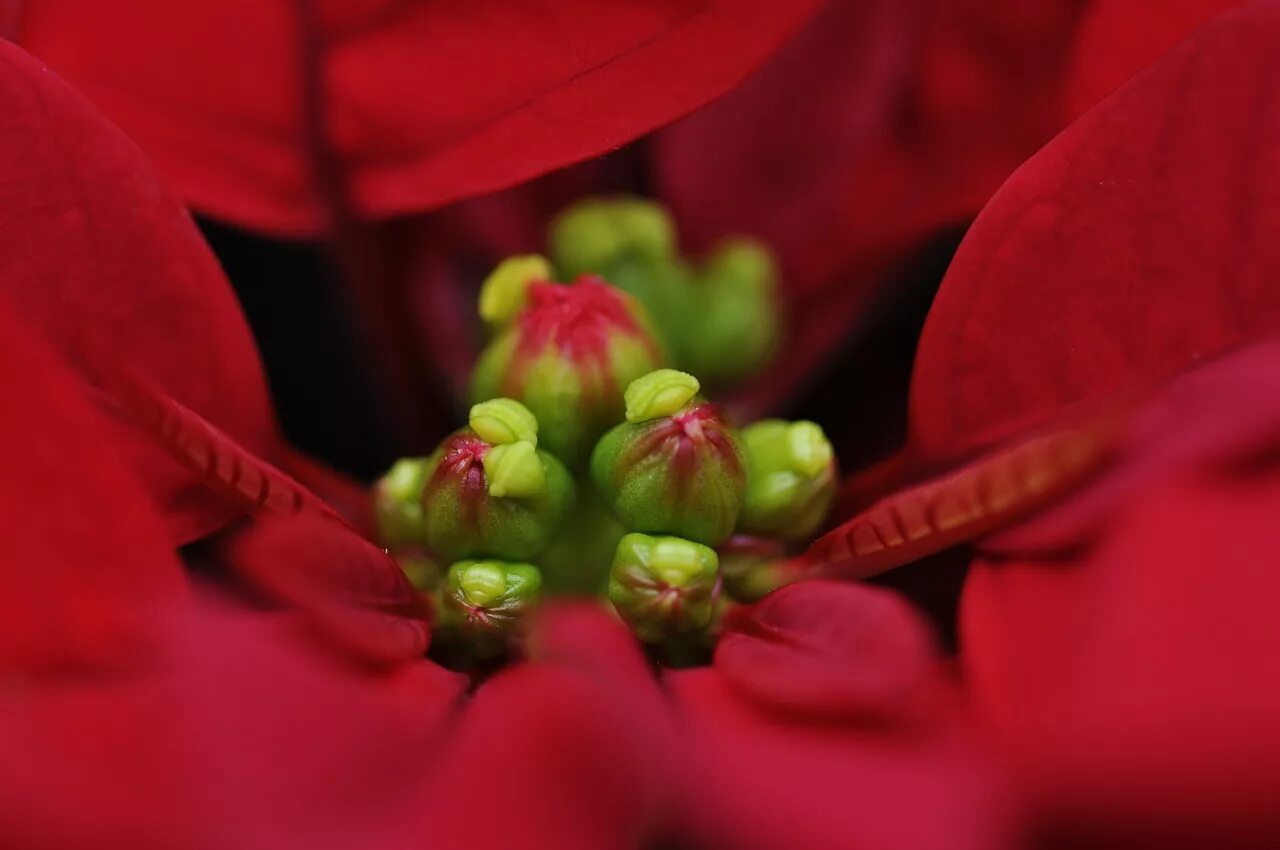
(809,448)
(674,560)
(481,582)
(514,470)
(499,421)
(502,295)
(659,393)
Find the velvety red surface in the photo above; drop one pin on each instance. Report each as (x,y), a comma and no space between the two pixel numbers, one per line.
(1122,647)
(87,580)
(1136,242)
(1119,38)
(100,260)
(411,104)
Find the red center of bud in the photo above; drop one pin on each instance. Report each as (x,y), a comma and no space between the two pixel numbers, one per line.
(683,437)
(462,465)
(578,320)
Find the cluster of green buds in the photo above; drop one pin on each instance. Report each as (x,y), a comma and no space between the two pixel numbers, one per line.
(589,465)
(717,317)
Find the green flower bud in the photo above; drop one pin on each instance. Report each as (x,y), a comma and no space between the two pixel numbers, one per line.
(567,357)
(481,604)
(680,473)
(791,478)
(503,293)
(734,325)
(753,567)
(419,566)
(503,420)
(594,233)
(504,501)
(397,503)
(663,586)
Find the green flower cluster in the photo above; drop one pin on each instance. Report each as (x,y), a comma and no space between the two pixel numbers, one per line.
(589,466)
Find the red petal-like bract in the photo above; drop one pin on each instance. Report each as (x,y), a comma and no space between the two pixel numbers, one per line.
(564,751)
(111,272)
(880,124)
(355,595)
(87,580)
(1118,38)
(1136,242)
(885,761)
(975,499)
(241,735)
(243,105)
(1123,646)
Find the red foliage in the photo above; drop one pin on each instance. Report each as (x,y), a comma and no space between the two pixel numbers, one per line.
(1136,242)
(259,111)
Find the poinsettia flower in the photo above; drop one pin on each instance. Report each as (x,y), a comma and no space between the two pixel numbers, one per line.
(274,693)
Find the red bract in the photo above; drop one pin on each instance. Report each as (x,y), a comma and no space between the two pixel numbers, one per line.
(880,124)
(824,722)
(88,580)
(260,112)
(1118,38)
(1115,645)
(1121,646)
(109,269)
(1136,242)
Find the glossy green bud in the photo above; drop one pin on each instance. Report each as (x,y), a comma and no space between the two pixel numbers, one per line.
(663,586)
(791,478)
(397,503)
(481,603)
(504,501)
(734,327)
(680,472)
(567,357)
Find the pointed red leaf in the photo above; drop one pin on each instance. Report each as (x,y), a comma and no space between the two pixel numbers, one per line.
(880,124)
(565,751)
(1119,38)
(240,736)
(410,104)
(1137,241)
(352,591)
(1122,647)
(110,270)
(88,579)
(825,722)
(966,503)
(825,649)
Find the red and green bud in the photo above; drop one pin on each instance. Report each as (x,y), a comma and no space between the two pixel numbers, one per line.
(490,492)
(565,351)
(631,243)
(733,327)
(481,604)
(791,479)
(675,466)
(664,587)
